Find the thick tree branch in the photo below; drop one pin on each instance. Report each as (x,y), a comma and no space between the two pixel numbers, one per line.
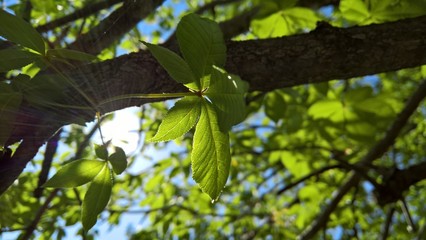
(375,152)
(319,56)
(80,13)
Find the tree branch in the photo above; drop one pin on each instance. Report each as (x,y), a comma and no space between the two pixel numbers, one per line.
(113,27)
(80,13)
(318,56)
(394,185)
(375,152)
(388,222)
(51,147)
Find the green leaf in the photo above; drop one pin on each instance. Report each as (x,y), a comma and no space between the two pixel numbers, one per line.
(70,54)
(210,155)
(179,120)
(202,45)
(118,160)
(13,58)
(354,10)
(101,151)
(21,32)
(285,22)
(227,95)
(275,105)
(177,68)
(75,173)
(96,198)
(391,10)
(327,109)
(9,105)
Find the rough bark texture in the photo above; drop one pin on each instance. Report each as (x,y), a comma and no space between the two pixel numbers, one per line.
(324,54)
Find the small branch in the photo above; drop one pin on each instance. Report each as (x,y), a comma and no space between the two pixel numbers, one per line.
(375,152)
(4,230)
(33,225)
(386,226)
(80,13)
(312,174)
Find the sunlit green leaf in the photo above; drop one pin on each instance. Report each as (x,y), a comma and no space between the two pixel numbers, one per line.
(201,43)
(285,22)
(21,32)
(210,154)
(227,92)
(179,120)
(118,160)
(75,173)
(330,109)
(70,54)
(354,10)
(16,58)
(96,198)
(177,68)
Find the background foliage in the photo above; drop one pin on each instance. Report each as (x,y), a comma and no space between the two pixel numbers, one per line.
(296,148)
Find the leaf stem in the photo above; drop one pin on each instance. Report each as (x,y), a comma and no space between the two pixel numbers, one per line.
(98,118)
(147,96)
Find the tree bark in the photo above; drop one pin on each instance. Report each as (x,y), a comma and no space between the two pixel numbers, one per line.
(324,54)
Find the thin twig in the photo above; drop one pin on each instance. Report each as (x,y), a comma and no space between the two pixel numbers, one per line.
(411,225)
(386,226)
(312,174)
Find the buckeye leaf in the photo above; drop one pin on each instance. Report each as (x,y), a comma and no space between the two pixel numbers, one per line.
(202,45)
(16,58)
(210,155)
(227,92)
(21,32)
(96,198)
(175,66)
(9,104)
(118,160)
(179,120)
(76,173)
